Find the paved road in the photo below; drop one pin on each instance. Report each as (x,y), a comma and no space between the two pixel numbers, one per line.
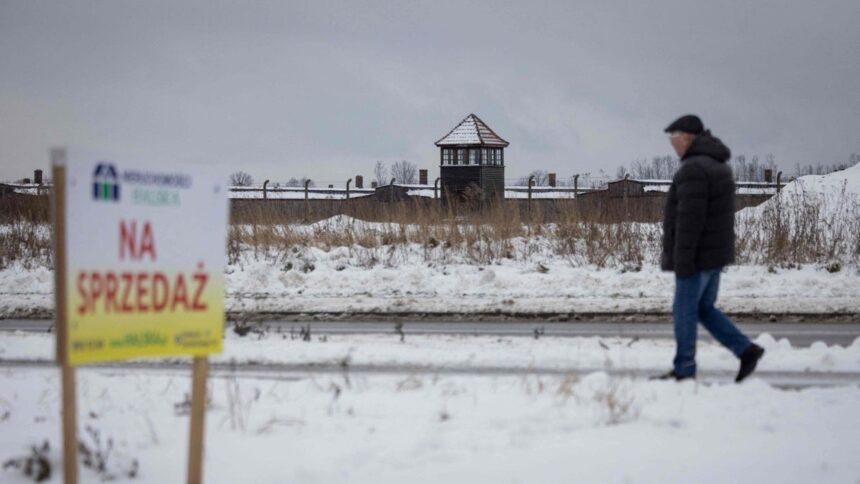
(799,334)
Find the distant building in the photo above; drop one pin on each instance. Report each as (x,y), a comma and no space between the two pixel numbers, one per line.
(624,188)
(6,190)
(472,162)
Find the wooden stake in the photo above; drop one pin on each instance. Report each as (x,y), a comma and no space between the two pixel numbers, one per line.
(198,414)
(70,438)
(70,426)
(58,212)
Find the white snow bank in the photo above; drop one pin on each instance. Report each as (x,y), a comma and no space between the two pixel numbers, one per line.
(337,281)
(834,196)
(416,429)
(465,352)
(338,223)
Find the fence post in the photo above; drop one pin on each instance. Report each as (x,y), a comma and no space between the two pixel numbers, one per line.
(307,203)
(391,190)
(624,194)
(265,195)
(576,186)
(778,181)
(347,188)
(531,183)
(436,187)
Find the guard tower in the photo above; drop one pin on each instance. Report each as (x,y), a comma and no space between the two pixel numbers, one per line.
(472,162)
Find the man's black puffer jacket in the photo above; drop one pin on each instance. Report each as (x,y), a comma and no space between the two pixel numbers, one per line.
(699,218)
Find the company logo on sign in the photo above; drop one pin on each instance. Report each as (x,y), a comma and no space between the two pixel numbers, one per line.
(105,182)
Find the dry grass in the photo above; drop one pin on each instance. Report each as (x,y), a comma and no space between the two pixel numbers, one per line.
(817,231)
(25,243)
(454,234)
(824,232)
(809,230)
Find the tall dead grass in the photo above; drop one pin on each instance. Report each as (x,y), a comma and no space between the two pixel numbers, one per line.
(801,227)
(25,243)
(818,230)
(786,232)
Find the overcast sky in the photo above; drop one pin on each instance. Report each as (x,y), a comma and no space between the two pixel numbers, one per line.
(323,89)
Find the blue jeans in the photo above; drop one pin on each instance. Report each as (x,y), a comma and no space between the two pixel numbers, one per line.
(694,301)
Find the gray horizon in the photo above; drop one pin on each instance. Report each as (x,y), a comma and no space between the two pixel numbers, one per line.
(323,90)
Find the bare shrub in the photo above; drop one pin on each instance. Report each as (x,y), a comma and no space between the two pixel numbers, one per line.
(809,230)
(814,231)
(98,455)
(35,466)
(618,400)
(26,243)
(239,406)
(801,227)
(567,385)
(241,179)
(380,173)
(405,172)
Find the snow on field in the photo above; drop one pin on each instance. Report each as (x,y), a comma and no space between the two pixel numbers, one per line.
(436,428)
(334,287)
(535,279)
(478,352)
(835,196)
(335,281)
(551,286)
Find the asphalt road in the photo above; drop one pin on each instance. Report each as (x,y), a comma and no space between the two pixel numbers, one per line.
(799,334)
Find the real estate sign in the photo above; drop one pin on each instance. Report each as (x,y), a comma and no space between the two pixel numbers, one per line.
(145,254)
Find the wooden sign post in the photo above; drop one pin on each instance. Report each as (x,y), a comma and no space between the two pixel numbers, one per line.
(67,372)
(135,276)
(198,414)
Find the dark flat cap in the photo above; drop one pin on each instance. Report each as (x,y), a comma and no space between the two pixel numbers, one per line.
(689,123)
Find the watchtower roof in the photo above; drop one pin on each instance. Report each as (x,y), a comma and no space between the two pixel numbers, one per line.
(472,132)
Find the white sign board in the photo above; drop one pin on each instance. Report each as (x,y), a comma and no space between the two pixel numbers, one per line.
(145,251)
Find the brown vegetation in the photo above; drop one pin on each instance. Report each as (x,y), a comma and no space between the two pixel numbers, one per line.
(599,235)
(807,233)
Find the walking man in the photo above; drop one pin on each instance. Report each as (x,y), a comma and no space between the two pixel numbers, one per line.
(698,241)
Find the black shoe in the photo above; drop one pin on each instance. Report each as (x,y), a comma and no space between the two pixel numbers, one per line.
(749,359)
(671,375)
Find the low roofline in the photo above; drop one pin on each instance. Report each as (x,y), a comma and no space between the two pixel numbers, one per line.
(503,143)
(482,143)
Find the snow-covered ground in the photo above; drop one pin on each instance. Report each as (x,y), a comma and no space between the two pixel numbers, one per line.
(426,427)
(480,352)
(831,200)
(533,274)
(555,409)
(339,284)
(835,194)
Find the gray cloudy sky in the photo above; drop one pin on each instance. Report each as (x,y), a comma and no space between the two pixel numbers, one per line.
(324,89)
